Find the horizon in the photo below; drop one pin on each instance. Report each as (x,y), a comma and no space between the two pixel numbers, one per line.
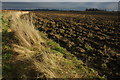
(78,6)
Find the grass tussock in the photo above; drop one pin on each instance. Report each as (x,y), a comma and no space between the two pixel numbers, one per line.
(25,32)
(30,43)
(27,44)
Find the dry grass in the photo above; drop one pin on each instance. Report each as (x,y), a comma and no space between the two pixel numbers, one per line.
(25,32)
(30,44)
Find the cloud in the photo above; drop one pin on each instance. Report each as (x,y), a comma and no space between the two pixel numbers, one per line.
(61,5)
(60,1)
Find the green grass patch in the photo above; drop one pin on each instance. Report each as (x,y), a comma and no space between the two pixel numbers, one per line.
(6,56)
(56,47)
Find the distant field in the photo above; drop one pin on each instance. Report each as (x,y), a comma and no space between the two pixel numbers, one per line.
(92,36)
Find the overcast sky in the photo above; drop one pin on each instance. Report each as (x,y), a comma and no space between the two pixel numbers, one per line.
(61,5)
(59,0)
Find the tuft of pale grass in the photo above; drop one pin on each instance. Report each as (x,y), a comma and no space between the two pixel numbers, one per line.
(26,33)
(29,39)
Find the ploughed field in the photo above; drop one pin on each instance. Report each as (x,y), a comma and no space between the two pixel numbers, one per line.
(93,38)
